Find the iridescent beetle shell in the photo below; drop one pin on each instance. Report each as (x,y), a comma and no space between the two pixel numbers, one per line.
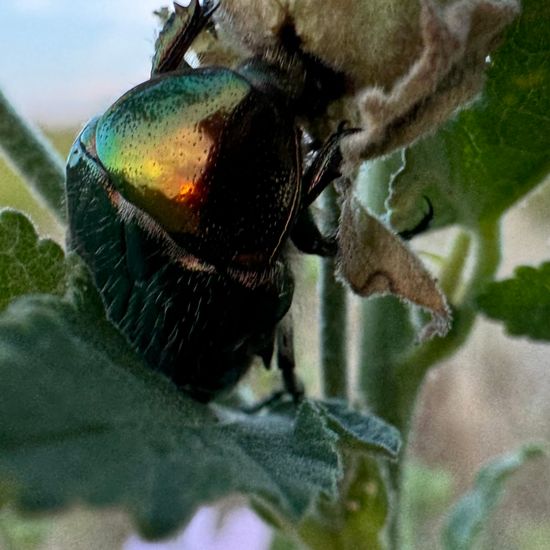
(211,159)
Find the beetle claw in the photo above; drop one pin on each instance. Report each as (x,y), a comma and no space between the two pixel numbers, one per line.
(342,130)
(195,18)
(422,225)
(325,167)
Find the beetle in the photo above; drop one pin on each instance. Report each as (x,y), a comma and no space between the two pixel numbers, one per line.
(182,197)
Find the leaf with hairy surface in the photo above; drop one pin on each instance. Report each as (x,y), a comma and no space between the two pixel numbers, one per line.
(28,264)
(493,153)
(83,420)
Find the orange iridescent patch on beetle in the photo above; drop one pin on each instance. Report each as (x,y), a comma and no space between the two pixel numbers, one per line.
(157,144)
(188,191)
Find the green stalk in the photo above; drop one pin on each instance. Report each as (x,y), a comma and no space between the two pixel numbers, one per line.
(450,278)
(412,370)
(409,373)
(332,311)
(387,332)
(391,374)
(33,158)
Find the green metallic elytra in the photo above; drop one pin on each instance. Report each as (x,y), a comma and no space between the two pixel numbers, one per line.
(156,141)
(211,159)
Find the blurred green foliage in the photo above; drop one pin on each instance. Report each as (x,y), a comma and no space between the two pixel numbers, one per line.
(15,193)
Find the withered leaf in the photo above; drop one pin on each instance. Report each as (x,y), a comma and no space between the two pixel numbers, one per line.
(374,260)
(409,64)
(449,72)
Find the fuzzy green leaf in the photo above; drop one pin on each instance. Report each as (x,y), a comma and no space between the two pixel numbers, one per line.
(355,430)
(27,264)
(470,513)
(361,432)
(83,420)
(522,303)
(493,153)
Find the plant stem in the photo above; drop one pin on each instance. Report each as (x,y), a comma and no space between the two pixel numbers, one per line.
(412,370)
(332,312)
(386,333)
(451,275)
(391,375)
(33,158)
(409,374)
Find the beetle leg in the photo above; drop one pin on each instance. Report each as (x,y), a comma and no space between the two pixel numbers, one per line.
(422,225)
(285,358)
(265,352)
(308,238)
(322,171)
(200,16)
(325,167)
(286,363)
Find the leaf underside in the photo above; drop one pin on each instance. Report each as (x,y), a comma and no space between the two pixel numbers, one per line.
(84,420)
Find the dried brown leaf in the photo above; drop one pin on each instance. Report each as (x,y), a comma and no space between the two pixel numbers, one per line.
(374,260)
(412,63)
(372,42)
(449,72)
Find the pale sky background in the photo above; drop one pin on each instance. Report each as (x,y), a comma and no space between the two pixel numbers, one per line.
(62,61)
